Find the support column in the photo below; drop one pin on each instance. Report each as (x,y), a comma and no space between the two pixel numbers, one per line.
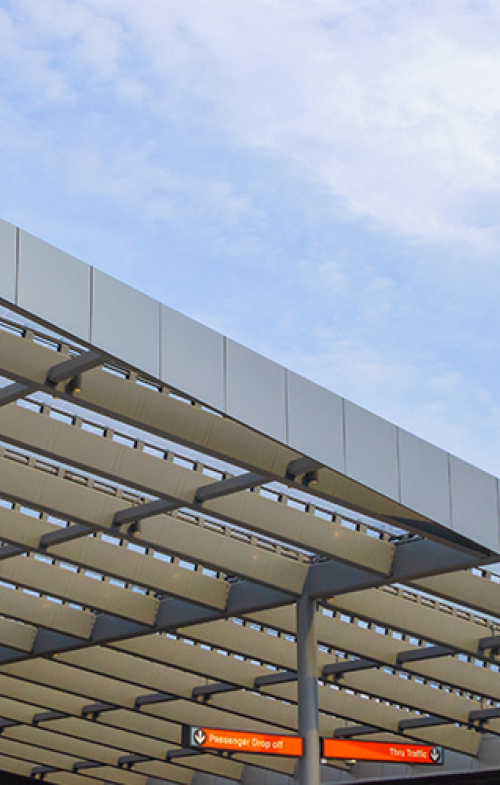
(307,670)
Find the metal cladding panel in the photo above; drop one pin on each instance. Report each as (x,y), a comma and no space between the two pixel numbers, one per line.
(126,323)
(371,450)
(315,421)
(255,391)
(192,357)
(425,485)
(7,261)
(474,504)
(54,285)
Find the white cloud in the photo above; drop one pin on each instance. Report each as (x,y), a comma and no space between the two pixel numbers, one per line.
(262,130)
(393,107)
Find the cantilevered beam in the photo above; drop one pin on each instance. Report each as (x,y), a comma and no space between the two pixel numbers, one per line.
(69,369)
(127,761)
(348,731)
(62,535)
(490,644)
(47,716)
(152,698)
(182,753)
(93,710)
(421,722)
(347,666)
(206,691)
(40,771)
(9,551)
(231,485)
(281,677)
(86,764)
(12,392)
(141,511)
(423,653)
(301,466)
(483,715)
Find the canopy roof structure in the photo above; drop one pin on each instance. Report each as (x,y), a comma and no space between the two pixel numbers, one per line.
(167,498)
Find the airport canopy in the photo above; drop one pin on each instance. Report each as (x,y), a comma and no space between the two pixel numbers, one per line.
(167,497)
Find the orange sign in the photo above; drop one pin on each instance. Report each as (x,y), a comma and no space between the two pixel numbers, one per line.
(377,750)
(241,741)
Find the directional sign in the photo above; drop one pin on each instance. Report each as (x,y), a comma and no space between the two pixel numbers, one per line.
(376,750)
(202,738)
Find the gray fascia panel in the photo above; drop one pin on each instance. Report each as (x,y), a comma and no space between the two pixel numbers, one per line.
(8,265)
(126,323)
(56,288)
(256,391)
(192,358)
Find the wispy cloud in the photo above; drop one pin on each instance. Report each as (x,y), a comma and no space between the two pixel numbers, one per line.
(320,180)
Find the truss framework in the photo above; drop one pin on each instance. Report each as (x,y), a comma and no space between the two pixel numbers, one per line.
(152,555)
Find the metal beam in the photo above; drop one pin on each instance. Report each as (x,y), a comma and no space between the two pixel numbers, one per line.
(225,487)
(40,771)
(86,764)
(483,715)
(47,716)
(12,392)
(153,698)
(418,558)
(421,722)
(281,677)
(206,691)
(423,653)
(59,535)
(337,669)
(300,466)
(9,551)
(141,511)
(127,761)
(329,579)
(347,732)
(491,644)
(93,710)
(182,753)
(68,369)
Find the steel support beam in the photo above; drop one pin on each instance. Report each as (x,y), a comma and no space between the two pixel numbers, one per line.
(281,677)
(232,485)
(420,722)
(423,653)
(300,466)
(349,731)
(483,715)
(12,392)
(307,672)
(152,698)
(73,367)
(490,644)
(142,511)
(337,669)
(207,690)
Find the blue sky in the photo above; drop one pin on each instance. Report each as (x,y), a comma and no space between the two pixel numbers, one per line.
(318,180)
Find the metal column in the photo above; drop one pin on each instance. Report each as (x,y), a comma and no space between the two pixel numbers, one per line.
(307,670)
